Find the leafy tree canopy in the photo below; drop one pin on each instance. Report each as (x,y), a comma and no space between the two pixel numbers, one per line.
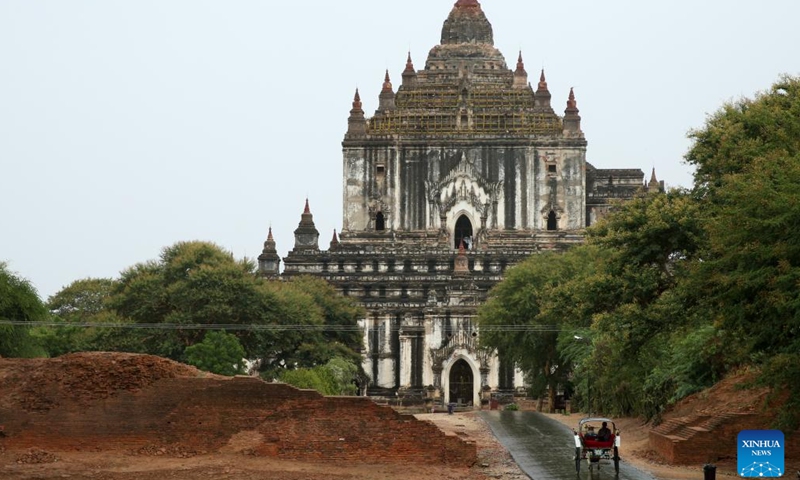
(19,302)
(748,168)
(743,132)
(283,324)
(219,353)
(82,301)
(337,377)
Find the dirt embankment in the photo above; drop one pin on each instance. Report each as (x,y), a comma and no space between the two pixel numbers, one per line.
(123,416)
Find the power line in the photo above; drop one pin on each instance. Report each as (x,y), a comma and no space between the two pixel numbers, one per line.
(259,327)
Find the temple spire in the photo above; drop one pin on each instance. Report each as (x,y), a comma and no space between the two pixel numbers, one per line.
(269,261)
(409,74)
(467,24)
(520,75)
(356,123)
(306,236)
(654,185)
(572,121)
(542,96)
(386,97)
(334,240)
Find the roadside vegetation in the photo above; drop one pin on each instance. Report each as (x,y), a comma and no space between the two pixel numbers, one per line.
(198,305)
(673,290)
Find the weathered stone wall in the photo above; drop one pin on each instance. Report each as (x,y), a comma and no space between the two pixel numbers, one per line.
(205,414)
(511,178)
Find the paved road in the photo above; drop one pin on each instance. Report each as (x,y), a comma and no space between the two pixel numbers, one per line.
(544,448)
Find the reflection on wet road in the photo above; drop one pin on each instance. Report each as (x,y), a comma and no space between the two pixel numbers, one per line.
(544,448)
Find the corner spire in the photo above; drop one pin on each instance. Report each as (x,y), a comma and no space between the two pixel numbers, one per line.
(654,185)
(572,121)
(269,261)
(356,123)
(520,75)
(387,82)
(386,97)
(571,103)
(542,96)
(306,236)
(409,74)
(334,240)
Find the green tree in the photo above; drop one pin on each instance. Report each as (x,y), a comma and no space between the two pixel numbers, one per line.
(747,157)
(341,314)
(521,300)
(649,245)
(19,302)
(615,302)
(337,377)
(743,132)
(328,326)
(81,302)
(193,283)
(219,353)
(284,325)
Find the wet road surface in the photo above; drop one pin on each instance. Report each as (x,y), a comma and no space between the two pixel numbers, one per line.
(545,449)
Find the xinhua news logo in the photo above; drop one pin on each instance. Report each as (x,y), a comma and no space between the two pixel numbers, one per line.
(760,453)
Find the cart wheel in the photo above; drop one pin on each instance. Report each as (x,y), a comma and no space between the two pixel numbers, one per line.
(578,459)
(616,459)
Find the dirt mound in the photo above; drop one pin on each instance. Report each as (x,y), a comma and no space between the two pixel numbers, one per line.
(732,395)
(704,427)
(146,406)
(42,384)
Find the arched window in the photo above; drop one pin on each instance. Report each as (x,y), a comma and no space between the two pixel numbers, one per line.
(463,232)
(552,221)
(380,222)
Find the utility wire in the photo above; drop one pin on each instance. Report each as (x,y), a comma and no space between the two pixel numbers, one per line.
(257,327)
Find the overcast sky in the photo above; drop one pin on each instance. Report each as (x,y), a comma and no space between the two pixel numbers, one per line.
(127,126)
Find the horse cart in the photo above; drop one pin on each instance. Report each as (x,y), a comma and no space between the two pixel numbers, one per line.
(597,442)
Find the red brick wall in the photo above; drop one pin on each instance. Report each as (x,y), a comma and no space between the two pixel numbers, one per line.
(203,414)
(719,444)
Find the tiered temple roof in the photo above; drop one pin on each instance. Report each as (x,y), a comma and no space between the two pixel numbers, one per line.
(466,88)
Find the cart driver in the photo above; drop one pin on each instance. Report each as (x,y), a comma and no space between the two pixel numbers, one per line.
(604,433)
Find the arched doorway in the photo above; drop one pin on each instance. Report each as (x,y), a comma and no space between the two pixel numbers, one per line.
(552,221)
(461,383)
(380,222)
(463,232)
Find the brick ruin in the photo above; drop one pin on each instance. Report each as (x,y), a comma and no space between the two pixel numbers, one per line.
(464,170)
(137,403)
